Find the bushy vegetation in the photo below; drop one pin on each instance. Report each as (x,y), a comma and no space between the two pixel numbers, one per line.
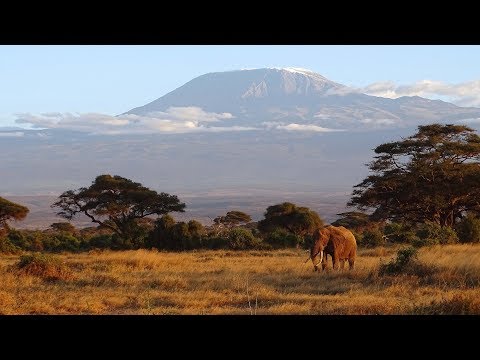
(45,266)
(123,210)
(406,262)
(405,258)
(372,238)
(280,238)
(431,233)
(468,229)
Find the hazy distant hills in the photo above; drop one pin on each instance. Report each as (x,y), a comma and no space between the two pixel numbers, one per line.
(286,156)
(303,97)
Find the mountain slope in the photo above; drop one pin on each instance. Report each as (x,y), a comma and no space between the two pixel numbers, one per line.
(300,96)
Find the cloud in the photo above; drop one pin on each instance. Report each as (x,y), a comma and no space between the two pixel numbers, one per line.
(378,121)
(12,134)
(470,121)
(300,127)
(462,94)
(174,120)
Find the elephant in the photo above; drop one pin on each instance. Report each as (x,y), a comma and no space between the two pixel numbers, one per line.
(336,241)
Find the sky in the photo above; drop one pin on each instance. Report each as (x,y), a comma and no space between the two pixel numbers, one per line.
(113,79)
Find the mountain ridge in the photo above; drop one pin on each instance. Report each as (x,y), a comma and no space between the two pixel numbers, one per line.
(301,96)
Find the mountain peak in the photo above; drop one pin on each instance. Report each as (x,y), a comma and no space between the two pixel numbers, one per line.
(293,95)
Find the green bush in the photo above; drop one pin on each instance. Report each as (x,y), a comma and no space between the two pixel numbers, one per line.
(242,239)
(468,230)
(102,241)
(6,246)
(407,263)
(45,266)
(373,238)
(280,238)
(27,240)
(214,242)
(61,242)
(405,258)
(400,233)
(431,233)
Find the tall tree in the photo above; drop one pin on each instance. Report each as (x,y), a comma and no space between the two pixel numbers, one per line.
(433,175)
(11,211)
(296,220)
(116,203)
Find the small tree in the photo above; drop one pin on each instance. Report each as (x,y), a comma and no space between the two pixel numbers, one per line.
(64,227)
(296,220)
(116,203)
(233,218)
(11,211)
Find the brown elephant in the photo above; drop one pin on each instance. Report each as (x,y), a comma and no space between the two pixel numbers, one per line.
(336,241)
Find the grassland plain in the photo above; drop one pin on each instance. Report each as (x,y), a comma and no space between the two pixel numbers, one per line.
(249,282)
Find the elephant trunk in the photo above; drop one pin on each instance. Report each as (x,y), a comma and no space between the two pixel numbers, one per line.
(313,256)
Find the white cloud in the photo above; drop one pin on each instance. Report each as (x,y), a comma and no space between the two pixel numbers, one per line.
(462,94)
(174,120)
(300,127)
(470,121)
(378,121)
(12,134)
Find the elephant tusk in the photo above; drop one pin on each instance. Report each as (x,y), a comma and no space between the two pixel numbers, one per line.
(321,256)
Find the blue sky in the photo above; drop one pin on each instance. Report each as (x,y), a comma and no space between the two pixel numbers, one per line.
(114,79)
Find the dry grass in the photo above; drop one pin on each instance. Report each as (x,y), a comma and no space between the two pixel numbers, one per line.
(250,282)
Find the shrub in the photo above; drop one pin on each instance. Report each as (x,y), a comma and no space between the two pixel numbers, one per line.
(242,239)
(405,257)
(7,247)
(468,230)
(372,238)
(61,242)
(280,238)
(27,240)
(44,266)
(400,233)
(431,233)
(406,262)
(103,241)
(214,242)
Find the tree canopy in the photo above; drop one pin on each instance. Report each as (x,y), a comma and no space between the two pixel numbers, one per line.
(63,227)
(296,220)
(116,203)
(233,218)
(11,211)
(353,220)
(433,175)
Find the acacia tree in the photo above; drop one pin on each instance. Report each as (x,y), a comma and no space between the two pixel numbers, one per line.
(233,218)
(11,211)
(296,220)
(433,175)
(354,220)
(116,203)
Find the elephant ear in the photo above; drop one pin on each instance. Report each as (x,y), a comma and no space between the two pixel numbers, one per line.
(326,235)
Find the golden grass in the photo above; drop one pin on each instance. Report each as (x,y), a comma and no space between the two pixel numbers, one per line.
(249,282)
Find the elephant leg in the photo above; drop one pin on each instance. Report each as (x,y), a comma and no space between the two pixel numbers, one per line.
(335,261)
(342,264)
(351,262)
(324,262)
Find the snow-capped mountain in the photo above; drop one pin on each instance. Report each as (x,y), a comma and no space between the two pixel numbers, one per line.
(300,96)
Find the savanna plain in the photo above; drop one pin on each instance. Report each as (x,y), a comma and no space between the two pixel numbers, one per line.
(442,279)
